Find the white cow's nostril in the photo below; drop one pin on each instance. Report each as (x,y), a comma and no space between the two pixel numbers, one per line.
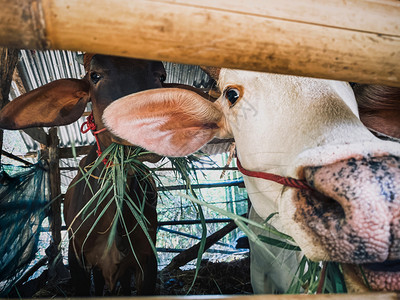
(355,208)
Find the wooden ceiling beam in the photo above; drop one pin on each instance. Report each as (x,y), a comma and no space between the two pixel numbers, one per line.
(353,40)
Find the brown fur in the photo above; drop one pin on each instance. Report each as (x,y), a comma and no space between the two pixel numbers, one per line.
(62,102)
(91,252)
(379,108)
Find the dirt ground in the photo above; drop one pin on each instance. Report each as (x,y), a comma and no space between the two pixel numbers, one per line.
(228,278)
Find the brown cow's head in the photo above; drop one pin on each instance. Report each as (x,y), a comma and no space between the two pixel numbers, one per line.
(379,108)
(63,101)
(111,78)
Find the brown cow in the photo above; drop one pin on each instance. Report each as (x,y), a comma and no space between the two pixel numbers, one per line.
(379,108)
(62,102)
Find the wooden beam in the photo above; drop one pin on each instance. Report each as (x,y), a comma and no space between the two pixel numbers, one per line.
(191,253)
(237,182)
(353,40)
(80,150)
(167,223)
(191,222)
(168,169)
(30,272)
(8,61)
(12,156)
(63,152)
(55,185)
(360,296)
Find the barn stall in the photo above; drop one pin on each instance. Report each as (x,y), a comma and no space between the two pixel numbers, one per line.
(36,68)
(361,49)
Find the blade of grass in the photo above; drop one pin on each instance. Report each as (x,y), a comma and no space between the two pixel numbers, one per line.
(278,243)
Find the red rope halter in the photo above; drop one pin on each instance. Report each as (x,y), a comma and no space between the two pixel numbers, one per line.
(286,181)
(91,125)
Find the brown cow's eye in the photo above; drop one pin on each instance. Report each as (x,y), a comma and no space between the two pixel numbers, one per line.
(232,95)
(163,78)
(95,77)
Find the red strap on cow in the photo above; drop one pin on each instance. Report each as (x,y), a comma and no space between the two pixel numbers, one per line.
(286,181)
(91,125)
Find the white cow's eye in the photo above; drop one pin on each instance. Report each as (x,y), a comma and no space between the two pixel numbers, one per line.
(232,95)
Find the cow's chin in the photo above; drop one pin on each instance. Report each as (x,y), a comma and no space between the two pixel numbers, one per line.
(149,157)
(120,141)
(379,277)
(359,277)
(323,219)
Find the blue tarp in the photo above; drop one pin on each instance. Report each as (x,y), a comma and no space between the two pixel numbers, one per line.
(24,198)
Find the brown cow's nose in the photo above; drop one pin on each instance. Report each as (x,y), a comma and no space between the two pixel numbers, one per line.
(355,208)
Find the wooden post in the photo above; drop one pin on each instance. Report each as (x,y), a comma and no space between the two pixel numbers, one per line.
(354,40)
(191,253)
(57,272)
(8,61)
(55,185)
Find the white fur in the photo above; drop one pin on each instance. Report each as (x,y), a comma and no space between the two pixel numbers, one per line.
(280,124)
(283,123)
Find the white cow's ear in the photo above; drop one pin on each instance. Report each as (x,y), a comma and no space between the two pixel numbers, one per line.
(169,121)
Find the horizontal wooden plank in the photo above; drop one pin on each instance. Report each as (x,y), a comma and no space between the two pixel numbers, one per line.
(14,157)
(356,15)
(368,296)
(239,183)
(24,17)
(355,40)
(80,150)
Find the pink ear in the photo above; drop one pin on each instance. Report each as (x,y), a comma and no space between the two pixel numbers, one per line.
(57,103)
(168,121)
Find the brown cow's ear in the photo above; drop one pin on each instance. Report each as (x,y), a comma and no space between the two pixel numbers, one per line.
(205,93)
(213,72)
(60,102)
(170,121)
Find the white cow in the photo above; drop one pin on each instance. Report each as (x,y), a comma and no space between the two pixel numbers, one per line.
(296,127)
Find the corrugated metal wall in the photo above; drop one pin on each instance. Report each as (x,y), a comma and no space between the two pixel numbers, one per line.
(37,68)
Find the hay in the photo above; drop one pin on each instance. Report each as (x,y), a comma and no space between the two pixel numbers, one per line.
(227,278)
